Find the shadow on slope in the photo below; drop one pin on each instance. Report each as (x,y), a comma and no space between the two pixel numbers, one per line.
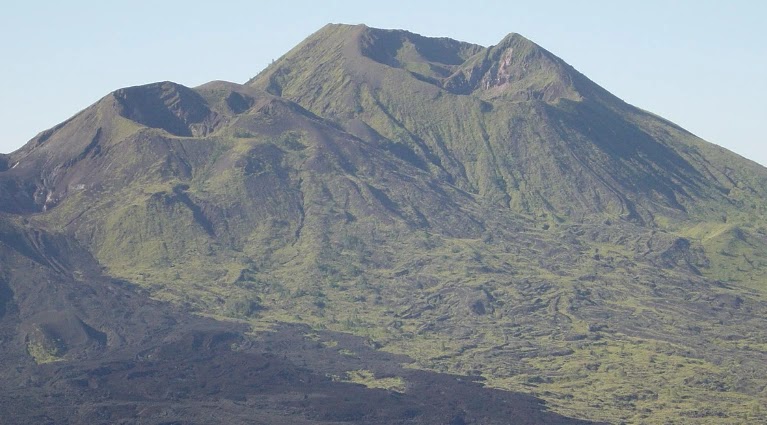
(87,349)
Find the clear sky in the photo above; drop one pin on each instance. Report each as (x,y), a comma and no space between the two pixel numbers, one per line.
(701,64)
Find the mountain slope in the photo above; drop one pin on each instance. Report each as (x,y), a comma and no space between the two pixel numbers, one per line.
(87,349)
(485,210)
(522,118)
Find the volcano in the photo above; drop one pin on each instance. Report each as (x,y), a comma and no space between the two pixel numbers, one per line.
(381,227)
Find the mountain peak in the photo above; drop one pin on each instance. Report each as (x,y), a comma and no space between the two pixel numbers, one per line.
(516,68)
(349,49)
(172,107)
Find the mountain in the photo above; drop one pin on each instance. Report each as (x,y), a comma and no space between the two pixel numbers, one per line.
(488,212)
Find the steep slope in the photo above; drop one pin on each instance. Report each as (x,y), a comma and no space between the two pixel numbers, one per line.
(512,123)
(486,211)
(266,187)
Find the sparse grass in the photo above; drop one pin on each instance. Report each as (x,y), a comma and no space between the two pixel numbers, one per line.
(42,348)
(41,354)
(368,379)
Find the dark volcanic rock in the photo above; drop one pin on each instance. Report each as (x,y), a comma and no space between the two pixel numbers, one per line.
(116,356)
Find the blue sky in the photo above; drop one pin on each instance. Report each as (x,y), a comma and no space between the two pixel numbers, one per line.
(701,64)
